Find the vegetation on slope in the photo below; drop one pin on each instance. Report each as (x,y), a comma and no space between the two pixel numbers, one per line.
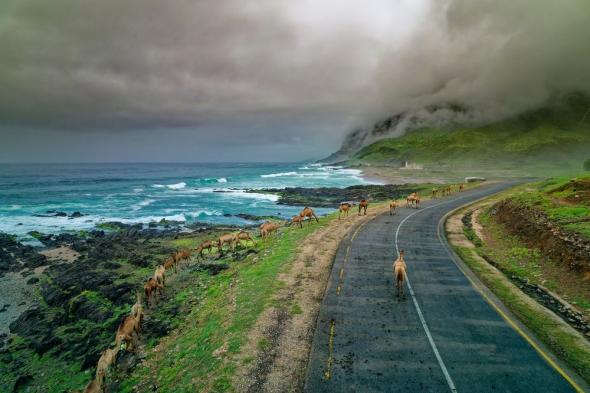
(555,138)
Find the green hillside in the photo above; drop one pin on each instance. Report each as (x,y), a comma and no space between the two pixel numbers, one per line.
(553,139)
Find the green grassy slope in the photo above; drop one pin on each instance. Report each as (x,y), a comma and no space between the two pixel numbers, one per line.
(554,139)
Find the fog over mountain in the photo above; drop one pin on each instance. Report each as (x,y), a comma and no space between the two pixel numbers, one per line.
(271,80)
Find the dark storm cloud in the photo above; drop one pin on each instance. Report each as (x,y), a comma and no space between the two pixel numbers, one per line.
(293,76)
(124,64)
(499,57)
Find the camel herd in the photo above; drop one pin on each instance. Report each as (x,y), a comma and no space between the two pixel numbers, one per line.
(130,327)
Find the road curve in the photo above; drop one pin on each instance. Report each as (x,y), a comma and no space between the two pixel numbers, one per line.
(444,338)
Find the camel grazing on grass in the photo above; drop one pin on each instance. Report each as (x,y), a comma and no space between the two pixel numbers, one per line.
(267,228)
(170,264)
(160,275)
(243,235)
(226,238)
(150,288)
(126,332)
(308,213)
(363,204)
(297,220)
(182,256)
(392,207)
(399,273)
(137,308)
(344,208)
(206,245)
(105,362)
(93,386)
(413,200)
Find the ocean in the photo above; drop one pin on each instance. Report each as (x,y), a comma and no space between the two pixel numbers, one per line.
(142,193)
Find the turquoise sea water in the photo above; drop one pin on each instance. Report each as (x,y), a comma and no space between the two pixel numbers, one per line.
(149,192)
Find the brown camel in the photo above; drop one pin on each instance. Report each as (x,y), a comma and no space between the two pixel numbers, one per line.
(363,204)
(392,207)
(344,208)
(226,238)
(399,273)
(267,228)
(434,193)
(243,235)
(105,362)
(93,386)
(206,245)
(137,308)
(150,288)
(126,332)
(413,200)
(297,220)
(160,275)
(308,213)
(461,187)
(170,264)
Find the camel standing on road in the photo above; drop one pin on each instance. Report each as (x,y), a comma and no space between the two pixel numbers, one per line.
(344,209)
(413,200)
(363,204)
(308,213)
(392,207)
(399,273)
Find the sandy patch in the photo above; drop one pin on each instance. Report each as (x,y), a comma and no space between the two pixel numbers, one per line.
(63,253)
(288,327)
(454,228)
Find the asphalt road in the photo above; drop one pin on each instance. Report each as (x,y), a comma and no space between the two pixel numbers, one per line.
(444,337)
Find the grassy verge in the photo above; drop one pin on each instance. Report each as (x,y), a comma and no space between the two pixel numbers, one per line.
(200,355)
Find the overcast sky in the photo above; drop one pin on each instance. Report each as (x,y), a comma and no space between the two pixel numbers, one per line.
(265,80)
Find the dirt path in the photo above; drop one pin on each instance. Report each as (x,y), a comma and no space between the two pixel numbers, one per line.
(286,329)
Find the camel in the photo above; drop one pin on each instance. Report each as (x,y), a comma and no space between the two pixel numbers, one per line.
(446,191)
(170,264)
(160,275)
(125,333)
(93,386)
(461,187)
(308,212)
(182,256)
(392,207)
(106,360)
(344,208)
(137,308)
(243,235)
(363,204)
(267,228)
(150,288)
(434,193)
(413,200)
(206,245)
(297,220)
(226,238)
(399,273)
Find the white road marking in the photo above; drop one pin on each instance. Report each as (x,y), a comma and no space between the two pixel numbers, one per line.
(441,363)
